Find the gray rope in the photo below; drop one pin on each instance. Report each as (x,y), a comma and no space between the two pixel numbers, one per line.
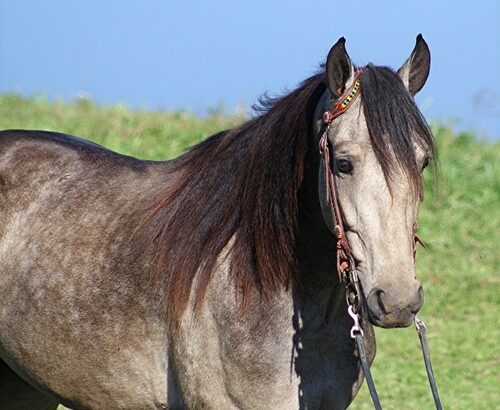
(420,326)
(367,372)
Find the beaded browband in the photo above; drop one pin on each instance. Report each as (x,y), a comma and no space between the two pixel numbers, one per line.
(345,101)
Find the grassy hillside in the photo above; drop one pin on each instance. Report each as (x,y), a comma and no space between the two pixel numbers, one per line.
(460,222)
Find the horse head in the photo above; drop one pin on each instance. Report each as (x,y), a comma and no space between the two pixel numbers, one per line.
(379,147)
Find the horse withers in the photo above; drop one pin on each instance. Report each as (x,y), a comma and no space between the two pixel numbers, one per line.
(210,281)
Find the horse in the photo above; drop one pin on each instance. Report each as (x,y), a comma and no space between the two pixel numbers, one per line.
(210,281)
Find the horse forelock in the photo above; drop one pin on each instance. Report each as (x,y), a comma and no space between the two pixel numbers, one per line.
(394,123)
(239,188)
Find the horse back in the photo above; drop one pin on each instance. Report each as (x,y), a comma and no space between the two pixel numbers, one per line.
(55,182)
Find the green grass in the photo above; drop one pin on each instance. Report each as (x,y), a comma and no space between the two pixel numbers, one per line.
(144,134)
(460,223)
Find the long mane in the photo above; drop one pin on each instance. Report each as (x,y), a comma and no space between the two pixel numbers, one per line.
(239,190)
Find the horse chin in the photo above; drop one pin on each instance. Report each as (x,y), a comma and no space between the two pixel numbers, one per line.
(392,320)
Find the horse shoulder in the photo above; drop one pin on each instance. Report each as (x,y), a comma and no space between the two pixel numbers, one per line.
(90,332)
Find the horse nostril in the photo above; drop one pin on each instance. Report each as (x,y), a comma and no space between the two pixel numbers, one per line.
(379,294)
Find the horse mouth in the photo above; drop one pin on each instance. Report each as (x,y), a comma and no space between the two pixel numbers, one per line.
(390,321)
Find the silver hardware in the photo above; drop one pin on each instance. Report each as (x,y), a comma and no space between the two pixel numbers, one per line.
(356,328)
(419,323)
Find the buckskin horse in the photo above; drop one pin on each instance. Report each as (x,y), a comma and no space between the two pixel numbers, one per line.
(215,280)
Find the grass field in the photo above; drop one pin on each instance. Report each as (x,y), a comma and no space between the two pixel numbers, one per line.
(460,223)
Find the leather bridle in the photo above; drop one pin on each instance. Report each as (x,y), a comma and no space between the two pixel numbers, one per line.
(345,259)
(346,266)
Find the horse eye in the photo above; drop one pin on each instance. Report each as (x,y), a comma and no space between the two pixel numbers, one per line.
(426,163)
(344,166)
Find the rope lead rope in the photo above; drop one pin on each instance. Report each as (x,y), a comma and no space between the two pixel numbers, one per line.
(366,370)
(357,334)
(420,326)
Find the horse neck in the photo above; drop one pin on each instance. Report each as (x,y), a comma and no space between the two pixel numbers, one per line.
(316,245)
(319,297)
(316,253)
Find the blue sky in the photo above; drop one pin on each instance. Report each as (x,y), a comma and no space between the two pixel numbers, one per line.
(198,55)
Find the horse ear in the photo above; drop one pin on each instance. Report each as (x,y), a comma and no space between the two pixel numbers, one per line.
(415,70)
(339,68)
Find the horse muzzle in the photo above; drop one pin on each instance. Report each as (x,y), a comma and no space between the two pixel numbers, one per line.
(394,309)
